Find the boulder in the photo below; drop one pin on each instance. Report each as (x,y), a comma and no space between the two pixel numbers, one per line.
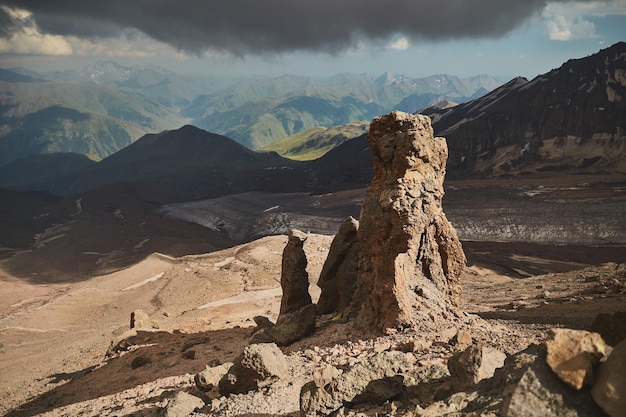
(572,354)
(609,390)
(141,321)
(375,380)
(256,367)
(340,269)
(182,405)
(260,334)
(294,279)
(524,387)
(461,338)
(262,323)
(532,389)
(291,327)
(473,365)
(612,327)
(410,257)
(211,376)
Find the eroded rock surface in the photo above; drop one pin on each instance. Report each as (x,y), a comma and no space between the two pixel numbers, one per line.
(340,269)
(182,405)
(375,381)
(258,366)
(294,279)
(293,326)
(211,376)
(473,365)
(410,257)
(572,354)
(609,391)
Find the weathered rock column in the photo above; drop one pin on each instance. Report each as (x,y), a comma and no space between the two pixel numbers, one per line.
(411,256)
(339,273)
(294,279)
(297,312)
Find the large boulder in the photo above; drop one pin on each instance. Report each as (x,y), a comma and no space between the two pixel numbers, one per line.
(340,269)
(473,365)
(256,367)
(572,354)
(612,327)
(294,279)
(532,389)
(210,377)
(182,405)
(291,327)
(609,390)
(376,380)
(410,257)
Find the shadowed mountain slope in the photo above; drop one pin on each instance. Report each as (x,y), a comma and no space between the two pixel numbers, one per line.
(34,125)
(34,169)
(190,160)
(570,118)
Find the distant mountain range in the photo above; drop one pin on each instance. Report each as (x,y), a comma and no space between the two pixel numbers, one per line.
(570,119)
(261,111)
(104,107)
(44,117)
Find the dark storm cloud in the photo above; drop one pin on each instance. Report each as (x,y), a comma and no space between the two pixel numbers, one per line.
(259,26)
(7,24)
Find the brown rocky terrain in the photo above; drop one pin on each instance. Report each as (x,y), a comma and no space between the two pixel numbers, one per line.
(53,358)
(68,347)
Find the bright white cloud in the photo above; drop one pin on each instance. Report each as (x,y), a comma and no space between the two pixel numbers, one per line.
(29,40)
(566,21)
(35,44)
(561,29)
(400,44)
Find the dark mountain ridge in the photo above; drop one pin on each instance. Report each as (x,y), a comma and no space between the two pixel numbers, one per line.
(570,118)
(35,169)
(190,159)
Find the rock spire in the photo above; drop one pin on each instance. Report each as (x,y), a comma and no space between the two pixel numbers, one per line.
(410,255)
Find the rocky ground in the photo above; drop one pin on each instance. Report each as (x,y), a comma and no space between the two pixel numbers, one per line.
(66,346)
(55,338)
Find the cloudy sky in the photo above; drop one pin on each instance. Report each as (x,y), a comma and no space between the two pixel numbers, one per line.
(310,37)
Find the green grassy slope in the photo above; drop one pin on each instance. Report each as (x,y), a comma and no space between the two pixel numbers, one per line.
(316,142)
(259,112)
(34,125)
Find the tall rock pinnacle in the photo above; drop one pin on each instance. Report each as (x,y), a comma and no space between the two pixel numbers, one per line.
(294,278)
(410,255)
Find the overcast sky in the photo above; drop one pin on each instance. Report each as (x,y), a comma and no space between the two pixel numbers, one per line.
(310,37)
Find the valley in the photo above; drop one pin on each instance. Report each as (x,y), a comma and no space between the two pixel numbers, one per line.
(55,335)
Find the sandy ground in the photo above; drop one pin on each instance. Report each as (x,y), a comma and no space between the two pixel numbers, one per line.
(54,337)
(50,332)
